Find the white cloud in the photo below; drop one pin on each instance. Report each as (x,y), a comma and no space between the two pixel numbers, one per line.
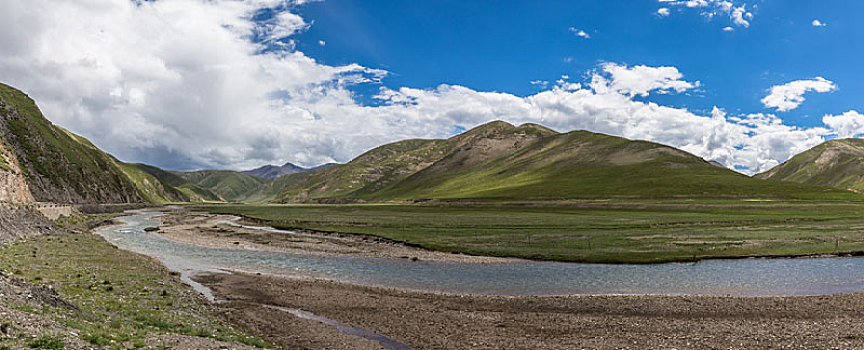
(849,124)
(738,14)
(789,96)
(640,80)
(818,23)
(728,29)
(580,33)
(663,11)
(182,84)
(322,43)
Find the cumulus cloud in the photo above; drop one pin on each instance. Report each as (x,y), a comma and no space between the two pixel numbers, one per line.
(739,14)
(789,96)
(663,11)
(818,23)
(199,83)
(580,33)
(640,80)
(849,124)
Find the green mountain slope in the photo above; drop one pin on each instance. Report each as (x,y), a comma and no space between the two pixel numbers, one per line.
(501,161)
(226,184)
(835,163)
(190,191)
(59,166)
(152,189)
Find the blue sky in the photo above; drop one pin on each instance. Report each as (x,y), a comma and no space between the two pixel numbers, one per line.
(225,84)
(505,45)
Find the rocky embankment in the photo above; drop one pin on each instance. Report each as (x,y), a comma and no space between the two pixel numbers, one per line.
(19,298)
(18,222)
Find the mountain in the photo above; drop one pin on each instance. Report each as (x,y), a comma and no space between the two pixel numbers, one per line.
(151,188)
(272,172)
(227,185)
(54,164)
(835,163)
(191,191)
(322,166)
(43,162)
(501,161)
(716,163)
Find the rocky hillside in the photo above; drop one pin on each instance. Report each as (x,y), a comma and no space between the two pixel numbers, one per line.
(835,163)
(13,184)
(21,221)
(56,165)
(501,161)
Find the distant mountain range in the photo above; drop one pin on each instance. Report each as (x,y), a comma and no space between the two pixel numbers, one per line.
(272,172)
(495,161)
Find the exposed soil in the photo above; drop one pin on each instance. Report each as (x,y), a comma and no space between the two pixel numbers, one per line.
(437,321)
(222,231)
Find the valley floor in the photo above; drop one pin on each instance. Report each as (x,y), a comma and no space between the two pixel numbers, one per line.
(436,321)
(596,231)
(441,321)
(106,297)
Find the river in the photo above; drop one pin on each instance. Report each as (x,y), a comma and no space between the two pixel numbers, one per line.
(736,277)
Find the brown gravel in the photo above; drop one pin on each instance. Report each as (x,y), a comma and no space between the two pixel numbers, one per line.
(436,321)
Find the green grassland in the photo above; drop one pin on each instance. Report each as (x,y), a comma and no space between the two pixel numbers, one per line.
(122,297)
(601,231)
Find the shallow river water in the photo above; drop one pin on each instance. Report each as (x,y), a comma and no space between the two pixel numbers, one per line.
(739,277)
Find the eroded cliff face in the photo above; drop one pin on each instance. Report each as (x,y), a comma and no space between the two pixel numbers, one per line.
(13,185)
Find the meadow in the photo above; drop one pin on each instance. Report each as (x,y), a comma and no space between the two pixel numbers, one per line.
(597,231)
(121,299)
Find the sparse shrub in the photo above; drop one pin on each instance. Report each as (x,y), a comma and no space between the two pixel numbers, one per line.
(47,342)
(96,339)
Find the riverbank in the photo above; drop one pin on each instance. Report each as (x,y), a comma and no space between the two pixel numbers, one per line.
(70,289)
(227,231)
(436,321)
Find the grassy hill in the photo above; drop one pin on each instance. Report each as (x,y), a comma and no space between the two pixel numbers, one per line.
(59,166)
(192,192)
(225,184)
(500,161)
(835,163)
